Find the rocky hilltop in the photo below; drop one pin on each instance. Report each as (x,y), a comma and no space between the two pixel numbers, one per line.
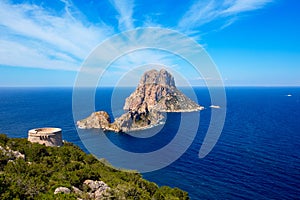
(155,94)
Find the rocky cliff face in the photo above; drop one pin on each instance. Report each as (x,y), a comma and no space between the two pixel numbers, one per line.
(155,94)
(157,91)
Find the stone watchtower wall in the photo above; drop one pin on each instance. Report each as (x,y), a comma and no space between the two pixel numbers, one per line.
(46,136)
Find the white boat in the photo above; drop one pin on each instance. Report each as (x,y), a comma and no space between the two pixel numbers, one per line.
(214,106)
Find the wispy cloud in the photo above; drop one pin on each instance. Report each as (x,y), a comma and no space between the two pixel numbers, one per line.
(205,11)
(199,13)
(35,36)
(125,11)
(13,53)
(238,6)
(46,36)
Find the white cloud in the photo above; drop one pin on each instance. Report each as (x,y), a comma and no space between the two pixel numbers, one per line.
(39,31)
(32,36)
(15,54)
(199,13)
(206,11)
(245,5)
(125,10)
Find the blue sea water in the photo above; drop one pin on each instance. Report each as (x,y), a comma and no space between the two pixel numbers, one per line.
(256,157)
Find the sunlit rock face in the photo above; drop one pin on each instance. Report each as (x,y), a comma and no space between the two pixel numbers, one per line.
(157,91)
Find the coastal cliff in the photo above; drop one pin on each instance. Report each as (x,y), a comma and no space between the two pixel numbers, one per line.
(155,94)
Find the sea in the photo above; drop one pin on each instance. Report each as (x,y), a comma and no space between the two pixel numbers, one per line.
(257,155)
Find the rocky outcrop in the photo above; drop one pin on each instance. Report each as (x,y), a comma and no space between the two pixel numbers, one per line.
(98,119)
(96,190)
(155,94)
(11,154)
(63,190)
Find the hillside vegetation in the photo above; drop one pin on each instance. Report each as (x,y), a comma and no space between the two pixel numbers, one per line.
(46,168)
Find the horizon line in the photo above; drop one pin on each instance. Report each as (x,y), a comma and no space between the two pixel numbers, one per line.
(131,86)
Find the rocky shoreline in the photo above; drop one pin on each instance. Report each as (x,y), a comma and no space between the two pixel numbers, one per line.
(155,94)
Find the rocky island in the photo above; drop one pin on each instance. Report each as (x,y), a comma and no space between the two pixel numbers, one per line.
(155,94)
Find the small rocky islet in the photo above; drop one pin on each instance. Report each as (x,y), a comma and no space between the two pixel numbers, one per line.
(155,94)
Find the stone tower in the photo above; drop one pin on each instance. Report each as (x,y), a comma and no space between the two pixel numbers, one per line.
(46,136)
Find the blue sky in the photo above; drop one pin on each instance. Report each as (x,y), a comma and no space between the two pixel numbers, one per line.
(252,42)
